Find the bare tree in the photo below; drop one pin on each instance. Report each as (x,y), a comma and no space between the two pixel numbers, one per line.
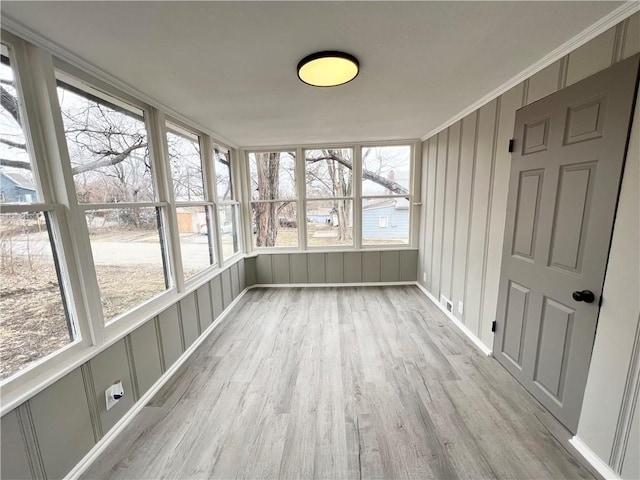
(266,213)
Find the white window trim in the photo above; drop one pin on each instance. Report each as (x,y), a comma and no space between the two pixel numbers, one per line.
(302,199)
(209,202)
(251,202)
(235,171)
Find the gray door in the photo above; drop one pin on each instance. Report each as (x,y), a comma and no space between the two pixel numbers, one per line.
(569,150)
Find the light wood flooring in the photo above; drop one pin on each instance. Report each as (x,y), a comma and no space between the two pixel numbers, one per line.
(358,382)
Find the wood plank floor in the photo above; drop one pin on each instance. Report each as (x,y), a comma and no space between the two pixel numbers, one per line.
(358,382)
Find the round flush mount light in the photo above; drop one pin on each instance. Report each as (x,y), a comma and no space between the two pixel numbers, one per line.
(328,69)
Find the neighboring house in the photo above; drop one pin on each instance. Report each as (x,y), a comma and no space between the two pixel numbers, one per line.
(16,188)
(324,216)
(191,220)
(386,219)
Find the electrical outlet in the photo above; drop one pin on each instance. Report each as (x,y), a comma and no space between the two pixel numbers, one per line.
(460,307)
(113,394)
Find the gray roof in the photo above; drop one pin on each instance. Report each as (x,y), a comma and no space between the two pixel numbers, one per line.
(397,203)
(19,180)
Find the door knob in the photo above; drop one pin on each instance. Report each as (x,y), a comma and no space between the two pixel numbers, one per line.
(585,296)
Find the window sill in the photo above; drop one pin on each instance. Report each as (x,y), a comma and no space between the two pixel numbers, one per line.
(337,249)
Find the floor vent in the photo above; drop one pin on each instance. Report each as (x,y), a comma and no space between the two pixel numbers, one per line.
(446,303)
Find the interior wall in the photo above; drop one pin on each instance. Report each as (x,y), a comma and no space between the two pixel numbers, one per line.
(50,433)
(466,172)
(614,375)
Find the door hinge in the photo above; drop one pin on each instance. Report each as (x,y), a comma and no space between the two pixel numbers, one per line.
(511,143)
(493,326)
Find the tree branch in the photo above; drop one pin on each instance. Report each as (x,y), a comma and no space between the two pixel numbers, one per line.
(106,162)
(366,174)
(21,146)
(10,104)
(5,162)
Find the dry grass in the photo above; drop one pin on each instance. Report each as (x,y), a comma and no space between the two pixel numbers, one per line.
(32,318)
(288,237)
(125,287)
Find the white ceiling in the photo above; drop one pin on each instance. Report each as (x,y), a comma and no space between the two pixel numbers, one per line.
(231,66)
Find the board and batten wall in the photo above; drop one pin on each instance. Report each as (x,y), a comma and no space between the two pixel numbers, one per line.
(610,419)
(337,267)
(464,183)
(46,436)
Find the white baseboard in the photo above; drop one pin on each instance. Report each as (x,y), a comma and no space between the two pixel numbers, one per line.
(314,285)
(476,341)
(111,435)
(594,460)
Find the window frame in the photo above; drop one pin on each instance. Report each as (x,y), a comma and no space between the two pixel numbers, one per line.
(295,199)
(302,199)
(50,201)
(208,202)
(409,197)
(355,167)
(113,96)
(240,217)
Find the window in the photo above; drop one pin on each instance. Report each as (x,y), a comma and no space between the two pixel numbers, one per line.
(329,192)
(108,147)
(17,180)
(33,314)
(115,185)
(228,207)
(34,319)
(274,207)
(127,255)
(193,209)
(386,177)
(224,186)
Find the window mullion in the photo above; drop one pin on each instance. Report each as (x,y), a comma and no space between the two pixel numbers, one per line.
(217,239)
(415,201)
(357,197)
(50,157)
(301,187)
(160,157)
(236,171)
(245,200)
(211,192)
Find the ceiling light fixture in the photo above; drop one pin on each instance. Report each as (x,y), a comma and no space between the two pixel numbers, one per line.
(328,69)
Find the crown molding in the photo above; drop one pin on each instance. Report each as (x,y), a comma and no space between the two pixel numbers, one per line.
(602,25)
(18,29)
